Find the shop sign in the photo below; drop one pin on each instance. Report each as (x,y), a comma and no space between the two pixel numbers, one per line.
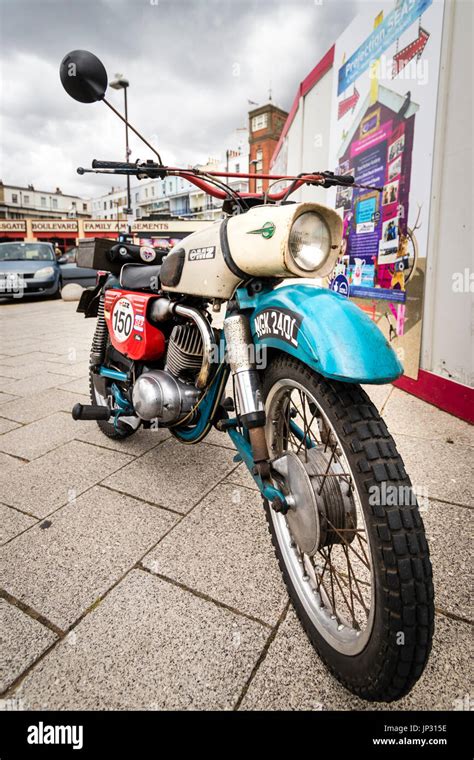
(12,225)
(102,225)
(54,225)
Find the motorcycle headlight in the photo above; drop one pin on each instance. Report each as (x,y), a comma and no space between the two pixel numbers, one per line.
(309,241)
(44,272)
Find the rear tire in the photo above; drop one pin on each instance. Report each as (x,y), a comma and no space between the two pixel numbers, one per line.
(117,432)
(397,643)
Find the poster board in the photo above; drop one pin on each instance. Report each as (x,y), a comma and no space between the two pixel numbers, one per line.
(383,112)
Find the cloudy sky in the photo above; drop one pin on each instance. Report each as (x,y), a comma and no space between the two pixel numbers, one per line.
(192,66)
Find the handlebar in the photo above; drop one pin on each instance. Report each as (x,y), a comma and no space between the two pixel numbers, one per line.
(215,187)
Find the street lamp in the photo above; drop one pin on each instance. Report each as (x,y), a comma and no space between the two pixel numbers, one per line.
(120,83)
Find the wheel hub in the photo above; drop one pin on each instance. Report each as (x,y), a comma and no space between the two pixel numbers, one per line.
(321,509)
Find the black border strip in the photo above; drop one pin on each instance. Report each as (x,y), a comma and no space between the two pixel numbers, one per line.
(227,254)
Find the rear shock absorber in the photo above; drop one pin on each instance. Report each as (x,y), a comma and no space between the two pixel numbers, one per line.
(99,341)
(248,387)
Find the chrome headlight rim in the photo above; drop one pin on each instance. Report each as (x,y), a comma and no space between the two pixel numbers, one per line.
(295,256)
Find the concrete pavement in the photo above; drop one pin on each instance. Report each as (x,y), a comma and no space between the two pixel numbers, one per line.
(140,574)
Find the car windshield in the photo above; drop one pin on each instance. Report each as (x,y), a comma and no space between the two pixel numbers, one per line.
(26,252)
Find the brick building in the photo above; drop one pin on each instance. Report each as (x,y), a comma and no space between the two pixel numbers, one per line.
(265,126)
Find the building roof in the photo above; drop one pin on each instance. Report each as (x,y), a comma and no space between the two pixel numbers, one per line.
(35,190)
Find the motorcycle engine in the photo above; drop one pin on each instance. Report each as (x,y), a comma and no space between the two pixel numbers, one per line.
(169,394)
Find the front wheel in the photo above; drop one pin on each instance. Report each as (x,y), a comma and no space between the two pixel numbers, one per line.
(352,547)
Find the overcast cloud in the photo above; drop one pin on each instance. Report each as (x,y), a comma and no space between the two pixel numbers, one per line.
(192,65)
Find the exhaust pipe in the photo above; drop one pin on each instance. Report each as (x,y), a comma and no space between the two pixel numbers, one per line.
(163,308)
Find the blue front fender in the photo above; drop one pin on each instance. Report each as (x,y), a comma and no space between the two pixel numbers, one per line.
(323,330)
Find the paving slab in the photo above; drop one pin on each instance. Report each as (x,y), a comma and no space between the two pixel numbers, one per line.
(174,475)
(7,425)
(6,397)
(241,477)
(40,405)
(379,394)
(37,438)
(18,349)
(223,549)
(7,464)
(30,368)
(449,531)
(67,562)
(13,522)
(409,415)
(292,676)
(26,386)
(81,385)
(59,477)
(137,444)
(148,645)
(22,641)
(441,470)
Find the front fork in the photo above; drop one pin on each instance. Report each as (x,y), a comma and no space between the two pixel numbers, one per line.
(252,446)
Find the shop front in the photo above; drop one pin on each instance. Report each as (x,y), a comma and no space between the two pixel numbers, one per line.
(65,233)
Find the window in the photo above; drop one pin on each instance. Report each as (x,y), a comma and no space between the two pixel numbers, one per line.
(237,168)
(105,206)
(14,198)
(146,192)
(259,185)
(55,202)
(111,203)
(26,199)
(153,190)
(259,122)
(84,206)
(43,201)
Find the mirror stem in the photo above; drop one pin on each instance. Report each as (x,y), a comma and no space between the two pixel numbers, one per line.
(133,129)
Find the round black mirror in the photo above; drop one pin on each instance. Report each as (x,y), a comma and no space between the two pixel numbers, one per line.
(83,76)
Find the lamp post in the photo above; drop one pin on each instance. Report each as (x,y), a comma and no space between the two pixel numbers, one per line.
(120,83)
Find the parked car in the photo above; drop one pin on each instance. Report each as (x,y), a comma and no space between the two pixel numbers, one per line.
(70,272)
(33,269)
(29,269)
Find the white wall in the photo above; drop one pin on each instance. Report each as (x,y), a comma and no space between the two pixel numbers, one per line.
(447,345)
(317,108)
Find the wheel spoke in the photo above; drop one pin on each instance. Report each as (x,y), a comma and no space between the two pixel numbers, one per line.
(338,580)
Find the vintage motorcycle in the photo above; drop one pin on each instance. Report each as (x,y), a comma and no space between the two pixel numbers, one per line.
(341,511)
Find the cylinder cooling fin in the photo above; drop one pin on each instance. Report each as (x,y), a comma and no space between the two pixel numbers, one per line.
(185,350)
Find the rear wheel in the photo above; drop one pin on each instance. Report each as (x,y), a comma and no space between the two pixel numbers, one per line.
(102,394)
(353,552)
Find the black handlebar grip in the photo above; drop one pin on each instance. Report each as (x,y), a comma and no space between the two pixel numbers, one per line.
(96,164)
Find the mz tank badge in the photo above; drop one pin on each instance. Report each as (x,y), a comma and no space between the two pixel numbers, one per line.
(266,231)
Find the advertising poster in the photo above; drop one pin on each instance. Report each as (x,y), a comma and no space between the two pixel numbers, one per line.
(382,132)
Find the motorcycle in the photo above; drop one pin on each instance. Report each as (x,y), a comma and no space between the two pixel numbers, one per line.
(341,512)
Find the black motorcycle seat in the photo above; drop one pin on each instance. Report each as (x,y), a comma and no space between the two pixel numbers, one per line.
(139,277)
